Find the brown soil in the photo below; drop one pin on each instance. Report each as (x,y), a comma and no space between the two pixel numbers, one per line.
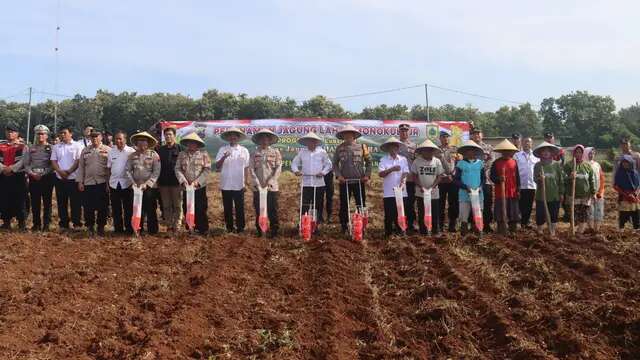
(66,296)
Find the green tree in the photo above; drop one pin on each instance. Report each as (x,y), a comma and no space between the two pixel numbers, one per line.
(522,119)
(320,106)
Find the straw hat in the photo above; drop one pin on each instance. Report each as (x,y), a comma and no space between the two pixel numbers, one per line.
(348,128)
(273,138)
(428,144)
(310,136)
(233,130)
(146,136)
(392,140)
(192,137)
(469,144)
(554,149)
(505,145)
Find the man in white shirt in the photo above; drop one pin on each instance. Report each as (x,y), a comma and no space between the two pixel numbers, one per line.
(65,158)
(312,163)
(394,168)
(232,161)
(526,161)
(120,190)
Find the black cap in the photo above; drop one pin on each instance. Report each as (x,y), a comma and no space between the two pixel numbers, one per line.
(444,133)
(476,130)
(515,136)
(548,134)
(404,126)
(11,127)
(95,132)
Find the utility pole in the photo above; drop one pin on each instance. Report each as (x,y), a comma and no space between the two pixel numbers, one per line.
(426,98)
(29,117)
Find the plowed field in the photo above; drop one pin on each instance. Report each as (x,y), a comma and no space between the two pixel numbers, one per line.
(67,296)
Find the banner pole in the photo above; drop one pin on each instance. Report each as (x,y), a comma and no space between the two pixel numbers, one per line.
(426,98)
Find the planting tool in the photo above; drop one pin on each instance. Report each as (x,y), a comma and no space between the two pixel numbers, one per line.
(190,217)
(474,195)
(547,214)
(573,199)
(402,219)
(136,218)
(426,199)
(263,218)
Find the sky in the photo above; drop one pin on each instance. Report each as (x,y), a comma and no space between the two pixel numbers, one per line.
(522,51)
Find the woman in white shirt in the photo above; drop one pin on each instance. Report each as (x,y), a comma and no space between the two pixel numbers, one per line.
(312,163)
(232,161)
(394,168)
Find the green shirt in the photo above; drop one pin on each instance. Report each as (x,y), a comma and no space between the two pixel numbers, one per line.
(553,180)
(585,180)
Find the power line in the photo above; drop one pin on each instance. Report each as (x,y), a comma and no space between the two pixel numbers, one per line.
(443,88)
(52,94)
(22,93)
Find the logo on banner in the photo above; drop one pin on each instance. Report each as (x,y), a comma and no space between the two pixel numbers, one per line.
(433,131)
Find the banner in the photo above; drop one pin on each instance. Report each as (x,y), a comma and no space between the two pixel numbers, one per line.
(374,132)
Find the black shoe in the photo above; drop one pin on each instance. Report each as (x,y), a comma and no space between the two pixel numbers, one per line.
(272,234)
(36,228)
(22,226)
(45,228)
(452,227)
(90,229)
(6,225)
(259,233)
(100,230)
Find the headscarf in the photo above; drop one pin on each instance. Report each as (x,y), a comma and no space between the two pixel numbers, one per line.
(587,152)
(578,161)
(627,179)
(594,164)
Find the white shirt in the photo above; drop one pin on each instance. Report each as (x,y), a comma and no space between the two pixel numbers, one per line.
(117,162)
(232,171)
(310,163)
(526,161)
(427,171)
(66,155)
(394,178)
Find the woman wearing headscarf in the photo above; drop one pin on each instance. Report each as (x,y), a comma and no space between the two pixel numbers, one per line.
(597,209)
(585,186)
(627,185)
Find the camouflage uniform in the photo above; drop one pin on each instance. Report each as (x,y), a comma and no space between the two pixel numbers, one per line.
(266,166)
(352,162)
(93,173)
(144,168)
(37,165)
(192,167)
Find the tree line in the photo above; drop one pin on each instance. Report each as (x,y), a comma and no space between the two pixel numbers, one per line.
(576,117)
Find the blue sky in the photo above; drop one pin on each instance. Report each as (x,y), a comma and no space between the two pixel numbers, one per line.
(517,50)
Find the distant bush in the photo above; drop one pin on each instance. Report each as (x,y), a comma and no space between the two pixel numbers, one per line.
(606,165)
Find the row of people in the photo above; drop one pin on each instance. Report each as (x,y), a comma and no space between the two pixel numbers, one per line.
(90,177)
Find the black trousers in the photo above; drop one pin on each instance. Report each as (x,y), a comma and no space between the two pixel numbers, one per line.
(13,189)
(67,194)
(329,186)
(122,208)
(272,210)
(629,216)
(41,192)
(201,207)
(435,215)
(231,199)
(448,193)
(487,210)
(527,196)
(307,201)
(150,210)
(353,191)
(95,199)
(409,208)
(391,215)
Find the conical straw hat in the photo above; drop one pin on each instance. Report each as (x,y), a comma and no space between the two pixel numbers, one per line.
(554,149)
(392,140)
(505,145)
(309,136)
(428,144)
(144,135)
(233,130)
(348,128)
(469,144)
(273,138)
(192,137)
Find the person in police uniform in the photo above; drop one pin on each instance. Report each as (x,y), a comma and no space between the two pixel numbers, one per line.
(351,161)
(13,182)
(448,156)
(265,166)
(408,150)
(92,177)
(193,167)
(143,169)
(37,165)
